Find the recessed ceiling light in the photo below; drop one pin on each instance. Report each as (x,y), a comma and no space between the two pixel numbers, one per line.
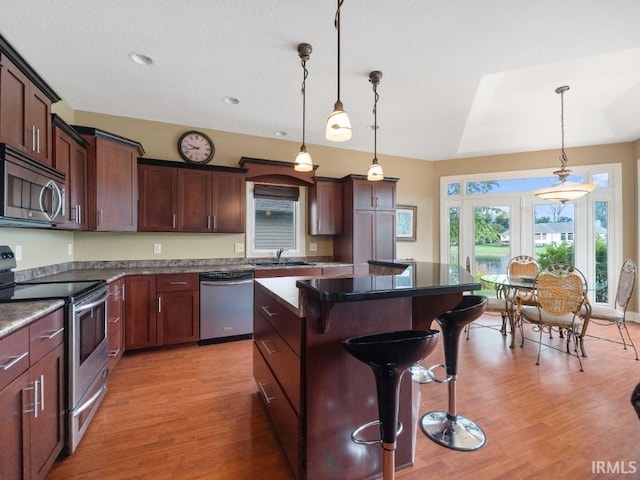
(140,59)
(280,133)
(230,100)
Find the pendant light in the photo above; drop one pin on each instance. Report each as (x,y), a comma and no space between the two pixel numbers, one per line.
(375,170)
(303,161)
(338,123)
(564,192)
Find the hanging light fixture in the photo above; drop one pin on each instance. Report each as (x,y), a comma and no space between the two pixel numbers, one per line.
(563,191)
(303,159)
(375,170)
(338,123)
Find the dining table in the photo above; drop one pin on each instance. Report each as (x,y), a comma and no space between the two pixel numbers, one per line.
(510,286)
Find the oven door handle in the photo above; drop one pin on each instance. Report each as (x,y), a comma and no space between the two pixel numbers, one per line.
(88,306)
(89,402)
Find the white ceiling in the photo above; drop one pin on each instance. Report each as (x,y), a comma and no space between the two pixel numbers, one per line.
(460,77)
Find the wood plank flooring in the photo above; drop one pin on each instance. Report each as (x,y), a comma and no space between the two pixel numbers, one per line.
(194,412)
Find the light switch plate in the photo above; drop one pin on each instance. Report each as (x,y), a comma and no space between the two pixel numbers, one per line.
(313,247)
(238,247)
(157,248)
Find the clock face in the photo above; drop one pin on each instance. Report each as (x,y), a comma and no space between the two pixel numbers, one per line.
(196,147)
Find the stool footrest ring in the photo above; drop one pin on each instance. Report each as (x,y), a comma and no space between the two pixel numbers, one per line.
(360,441)
(433,377)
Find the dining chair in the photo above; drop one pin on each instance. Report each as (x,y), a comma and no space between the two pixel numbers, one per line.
(606,315)
(561,304)
(495,304)
(520,266)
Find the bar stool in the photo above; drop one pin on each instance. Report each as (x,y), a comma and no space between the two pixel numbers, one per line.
(389,355)
(448,428)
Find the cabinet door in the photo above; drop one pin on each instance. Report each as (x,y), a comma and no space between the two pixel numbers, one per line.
(39,119)
(384,194)
(178,317)
(140,311)
(47,427)
(14,92)
(363,195)
(228,202)
(70,158)
(115,322)
(116,187)
(157,208)
(14,444)
(385,236)
(325,208)
(194,201)
(364,236)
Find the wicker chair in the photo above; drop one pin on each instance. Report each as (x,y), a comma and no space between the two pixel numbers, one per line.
(495,304)
(560,294)
(605,315)
(518,266)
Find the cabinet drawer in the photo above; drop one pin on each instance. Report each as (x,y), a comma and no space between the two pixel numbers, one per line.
(284,419)
(14,356)
(337,270)
(177,282)
(288,325)
(283,361)
(46,334)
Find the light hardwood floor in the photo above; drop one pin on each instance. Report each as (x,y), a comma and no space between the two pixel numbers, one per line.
(194,412)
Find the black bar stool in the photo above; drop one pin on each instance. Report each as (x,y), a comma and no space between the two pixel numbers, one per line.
(449,428)
(389,355)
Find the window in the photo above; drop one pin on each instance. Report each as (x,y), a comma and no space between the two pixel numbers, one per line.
(275,220)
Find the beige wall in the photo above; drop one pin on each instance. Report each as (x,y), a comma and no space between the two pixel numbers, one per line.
(418,185)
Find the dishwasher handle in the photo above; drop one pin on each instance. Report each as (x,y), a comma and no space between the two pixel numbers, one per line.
(225,283)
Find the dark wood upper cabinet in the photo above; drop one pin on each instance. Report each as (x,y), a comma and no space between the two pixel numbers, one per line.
(112,180)
(188,198)
(374,195)
(25,106)
(70,157)
(325,207)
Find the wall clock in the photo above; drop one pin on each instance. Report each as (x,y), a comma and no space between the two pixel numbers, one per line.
(196,147)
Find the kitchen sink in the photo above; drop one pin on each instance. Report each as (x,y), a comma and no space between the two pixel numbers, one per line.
(280,264)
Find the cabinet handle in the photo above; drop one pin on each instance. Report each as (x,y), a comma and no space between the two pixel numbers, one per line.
(214,222)
(264,343)
(114,320)
(266,310)
(52,334)
(42,393)
(33,138)
(319,225)
(100,217)
(114,353)
(208,222)
(173,220)
(159,304)
(267,398)
(79,213)
(177,283)
(38,140)
(35,399)
(15,360)
(123,293)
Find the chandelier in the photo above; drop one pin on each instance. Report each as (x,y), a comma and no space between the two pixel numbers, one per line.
(564,191)
(303,161)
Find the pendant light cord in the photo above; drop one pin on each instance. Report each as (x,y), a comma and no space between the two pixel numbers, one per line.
(336,22)
(563,155)
(376,96)
(304,99)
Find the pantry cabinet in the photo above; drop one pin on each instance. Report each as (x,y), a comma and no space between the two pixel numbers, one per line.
(179,197)
(325,207)
(112,180)
(161,310)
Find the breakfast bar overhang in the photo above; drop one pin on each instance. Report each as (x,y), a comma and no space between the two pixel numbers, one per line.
(333,393)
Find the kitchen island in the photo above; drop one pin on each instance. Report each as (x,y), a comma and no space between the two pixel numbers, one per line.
(315,392)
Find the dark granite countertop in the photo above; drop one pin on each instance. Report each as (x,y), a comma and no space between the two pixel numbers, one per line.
(415,279)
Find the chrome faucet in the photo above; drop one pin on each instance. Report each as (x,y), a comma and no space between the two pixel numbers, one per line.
(279,254)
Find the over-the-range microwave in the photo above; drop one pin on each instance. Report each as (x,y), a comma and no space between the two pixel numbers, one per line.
(32,192)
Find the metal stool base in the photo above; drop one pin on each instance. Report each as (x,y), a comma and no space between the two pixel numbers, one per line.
(458,433)
(420,374)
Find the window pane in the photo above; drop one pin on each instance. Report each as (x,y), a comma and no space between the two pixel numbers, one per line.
(453,189)
(454,232)
(601,229)
(492,239)
(275,224)
(553,232)
(520,185)
(601,179)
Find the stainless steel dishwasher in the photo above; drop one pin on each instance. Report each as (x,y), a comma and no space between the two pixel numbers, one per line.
(226,306)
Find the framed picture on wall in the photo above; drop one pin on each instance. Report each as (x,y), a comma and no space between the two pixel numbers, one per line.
(406,223)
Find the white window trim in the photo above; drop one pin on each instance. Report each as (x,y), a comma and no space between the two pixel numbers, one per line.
(300,210)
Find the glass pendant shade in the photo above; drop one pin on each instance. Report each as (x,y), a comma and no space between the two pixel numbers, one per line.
(375,173)
(565,192)
(303,161)
(338,125)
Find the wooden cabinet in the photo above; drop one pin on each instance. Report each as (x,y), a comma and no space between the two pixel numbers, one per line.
(31,398)
(112,180)
(115,322)
(25,106)
(70,157)
(325,207)
(369,222)
(310,271)
(161,310)
(177,197)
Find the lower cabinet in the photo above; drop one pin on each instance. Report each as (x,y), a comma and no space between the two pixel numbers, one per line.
(32,398)
(161,310)
(115,322)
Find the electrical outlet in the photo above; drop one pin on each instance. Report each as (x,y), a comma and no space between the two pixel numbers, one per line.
(18,253)
(238,247)
(313,247)
(157,248)
(70,249)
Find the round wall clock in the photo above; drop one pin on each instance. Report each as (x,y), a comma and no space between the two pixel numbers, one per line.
(196,147)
